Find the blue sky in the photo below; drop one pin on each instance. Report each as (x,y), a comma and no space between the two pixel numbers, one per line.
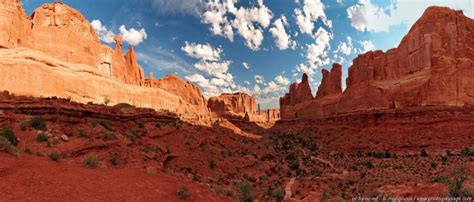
(256,46)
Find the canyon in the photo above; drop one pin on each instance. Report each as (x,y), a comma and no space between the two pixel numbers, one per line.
(89,125)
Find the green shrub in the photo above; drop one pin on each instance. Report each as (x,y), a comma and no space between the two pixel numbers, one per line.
(114,161)
(278,195)
(212,164)
(466,151)
(133,135)
(456,183)
(37,123)
(82,132)
(91,161)
(55,156)
(183,193)
(6,145)
(124,106)
(23,125)
(158,125)
(105,125)
(41,137)
(369,164)
(141,125)
(9,135)
(246,192)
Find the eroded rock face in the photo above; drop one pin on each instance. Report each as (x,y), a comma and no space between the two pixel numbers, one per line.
(299,93)
(331,82)
(433,65)
(56,52)
(235,105)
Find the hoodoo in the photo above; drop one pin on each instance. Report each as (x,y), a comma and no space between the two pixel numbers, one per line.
(433,65)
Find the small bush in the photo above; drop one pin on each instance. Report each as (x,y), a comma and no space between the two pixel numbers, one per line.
(82,132)
(456,183)
(183,193)
(124,106)
(6,146)
(23,125)
(433,164)
(38,123)
(91,161)
(41,137)
(278,195)
(246,192)
(423,153)
(369,164)
(9,135)
(55,156)
(212,164)
(114,161)
(158,125)
(105,125)
(141,125)
(133,135)
(467,152)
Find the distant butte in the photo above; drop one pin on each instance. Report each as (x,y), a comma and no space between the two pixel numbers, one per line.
(433,65)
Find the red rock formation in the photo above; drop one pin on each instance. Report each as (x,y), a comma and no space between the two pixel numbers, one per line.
(433,65)
(56,52)
(299,93)
(234,105)
(331,82)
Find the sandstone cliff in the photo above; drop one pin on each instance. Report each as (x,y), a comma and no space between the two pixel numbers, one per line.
(234,105)
(433,65)
(56,52)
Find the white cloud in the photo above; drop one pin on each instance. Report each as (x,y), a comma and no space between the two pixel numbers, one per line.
(345,48)
(366,46)
(202,51)
(366,16)
(307,17)
(246,65)
(216,69)
(132,36)
(282,39)
(259,79)
(247,82)
(103,33)
(281,80)
(317,52)
(248,22)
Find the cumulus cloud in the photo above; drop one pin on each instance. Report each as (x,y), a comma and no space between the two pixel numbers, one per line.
(366,46)
(317,52)
(367,16)
(281,80)
(259,79)
(282,39)
(345,48)
(247,22)
(202,51)
(132,36)
(216,69)
(307,17)
(103,33)
(246,65)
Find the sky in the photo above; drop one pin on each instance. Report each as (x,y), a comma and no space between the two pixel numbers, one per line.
(254,46)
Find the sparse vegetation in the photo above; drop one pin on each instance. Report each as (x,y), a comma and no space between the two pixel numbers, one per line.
(41,137)
(82,132)
(124,106)
(114,160)
(212,164)
(183,193)
(6,146)
(455,186)
(9,135)
(141,125)
(158,125)
(246,192)
(55,156)
(105,125)
(466,151)
(133,135)
(91,161)
(23,125)
(38,123)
